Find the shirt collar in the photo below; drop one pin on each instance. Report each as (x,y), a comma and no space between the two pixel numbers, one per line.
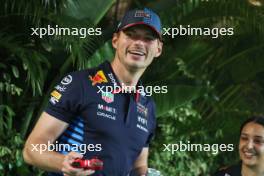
(113,81)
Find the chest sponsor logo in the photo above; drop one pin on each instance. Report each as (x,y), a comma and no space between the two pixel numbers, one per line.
(98,78)
(55,97)
(142,124)
(66,80)
(142,110)
(106,108)
(112,78)
(142,128)
(105,115)
(142,121)
(108,97)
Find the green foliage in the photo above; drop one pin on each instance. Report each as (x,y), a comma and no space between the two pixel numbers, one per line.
(225,72)
(28,64)
(213,84)
(185,125)
(11,161)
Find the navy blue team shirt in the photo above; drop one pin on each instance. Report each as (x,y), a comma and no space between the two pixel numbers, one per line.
(111,126)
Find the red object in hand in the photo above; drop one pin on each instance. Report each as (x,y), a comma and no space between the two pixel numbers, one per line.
(93,164)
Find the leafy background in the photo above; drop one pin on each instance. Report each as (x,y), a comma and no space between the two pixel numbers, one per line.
(214,84)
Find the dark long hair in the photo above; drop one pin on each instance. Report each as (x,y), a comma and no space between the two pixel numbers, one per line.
(258,119)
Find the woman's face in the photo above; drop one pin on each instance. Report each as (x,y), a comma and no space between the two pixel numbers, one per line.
(251,144)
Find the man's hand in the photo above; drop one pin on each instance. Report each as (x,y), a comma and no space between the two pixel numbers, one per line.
(141,164)
(69,170)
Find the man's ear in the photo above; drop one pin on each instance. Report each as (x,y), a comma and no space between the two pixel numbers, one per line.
(159,49)
(114,40)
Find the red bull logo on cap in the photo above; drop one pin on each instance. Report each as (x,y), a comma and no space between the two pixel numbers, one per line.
(98,78)
(142,13)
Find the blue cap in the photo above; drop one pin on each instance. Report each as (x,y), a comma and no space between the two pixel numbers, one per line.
(136,17)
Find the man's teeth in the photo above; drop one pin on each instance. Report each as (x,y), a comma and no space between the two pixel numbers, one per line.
(137,53)
(249,154)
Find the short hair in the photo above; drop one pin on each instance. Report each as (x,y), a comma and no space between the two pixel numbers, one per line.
(258,119)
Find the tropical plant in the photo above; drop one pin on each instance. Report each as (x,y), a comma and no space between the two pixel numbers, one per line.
(29,63)
(213,83)
(217,81)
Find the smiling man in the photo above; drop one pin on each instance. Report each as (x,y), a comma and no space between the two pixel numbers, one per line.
(113,127)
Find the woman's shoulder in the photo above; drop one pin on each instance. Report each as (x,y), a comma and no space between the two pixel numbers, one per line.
(234,170)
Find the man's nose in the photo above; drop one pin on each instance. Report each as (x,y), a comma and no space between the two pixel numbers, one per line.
(250,144)
(139,42)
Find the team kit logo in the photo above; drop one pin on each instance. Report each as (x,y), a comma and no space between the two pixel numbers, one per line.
(66,80)
(100,78)
(56,94)
(142,13)
(108,97)
(142,110)
(106,111)
(142,117)
(55,97)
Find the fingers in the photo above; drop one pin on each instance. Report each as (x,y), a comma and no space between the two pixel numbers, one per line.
(73,155)
(67,168)
(66,165)
(87,172)
(82,173)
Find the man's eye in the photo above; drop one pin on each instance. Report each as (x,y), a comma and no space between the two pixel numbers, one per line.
(243,138)
(129,34)
(258,141)
(149,38)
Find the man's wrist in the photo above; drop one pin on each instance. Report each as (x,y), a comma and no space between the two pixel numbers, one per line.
(139,171)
